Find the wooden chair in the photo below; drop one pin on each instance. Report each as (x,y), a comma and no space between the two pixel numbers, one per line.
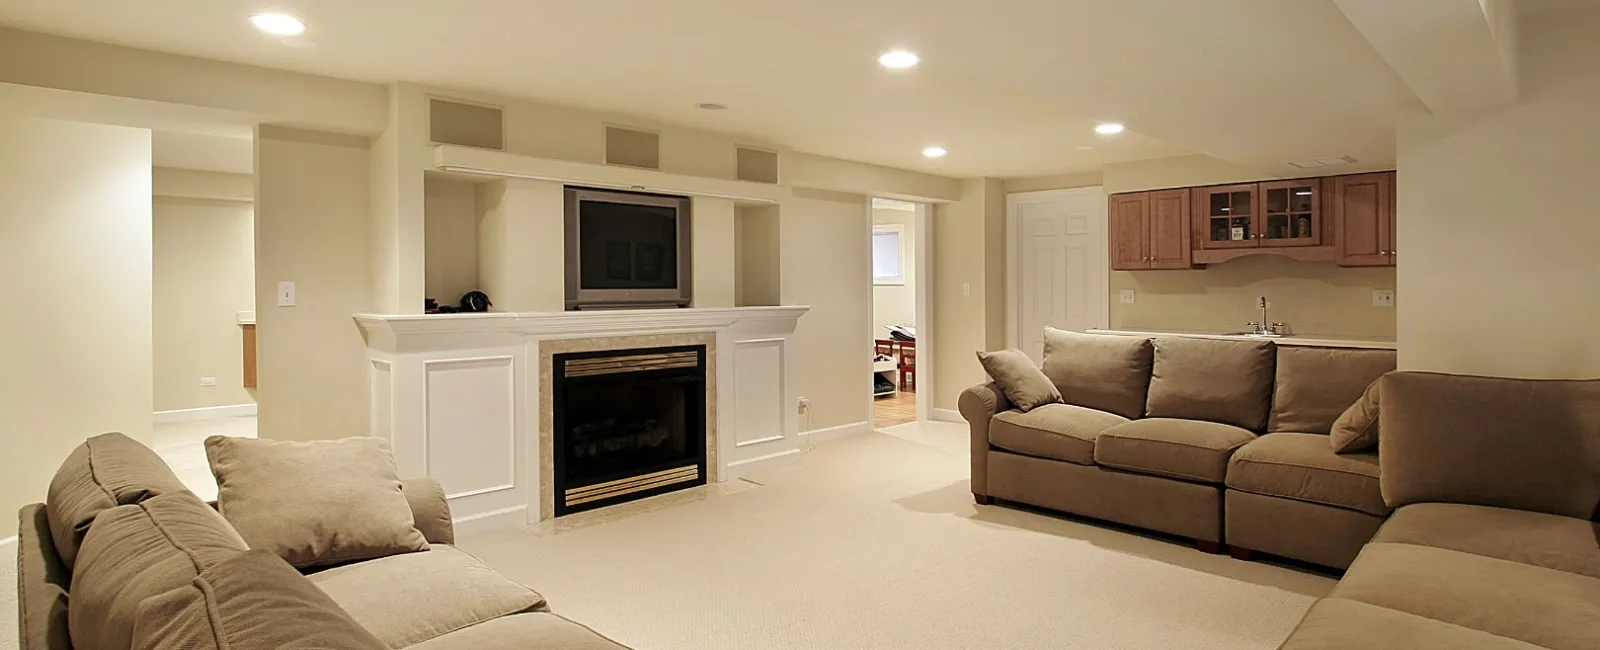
(908,366)
(884,347)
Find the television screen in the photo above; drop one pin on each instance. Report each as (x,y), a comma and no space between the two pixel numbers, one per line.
(627,246)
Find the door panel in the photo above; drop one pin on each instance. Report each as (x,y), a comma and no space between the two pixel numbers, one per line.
(1061,276)
(1169,229)
(1130,236)
(1361,208)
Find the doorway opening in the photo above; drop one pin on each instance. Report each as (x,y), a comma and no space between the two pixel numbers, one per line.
(901,314)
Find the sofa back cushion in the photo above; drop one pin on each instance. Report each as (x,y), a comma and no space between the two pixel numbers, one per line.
(137,551)
(104,472)
(1217,381)
(1100,371)
(251,601)
(1508,443)
(1313,386)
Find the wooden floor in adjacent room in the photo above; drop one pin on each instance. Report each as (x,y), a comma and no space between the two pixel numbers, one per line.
(898,408)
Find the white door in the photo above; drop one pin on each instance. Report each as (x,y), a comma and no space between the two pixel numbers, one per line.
(1059,264)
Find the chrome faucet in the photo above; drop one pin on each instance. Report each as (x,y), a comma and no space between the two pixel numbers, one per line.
(1265,327)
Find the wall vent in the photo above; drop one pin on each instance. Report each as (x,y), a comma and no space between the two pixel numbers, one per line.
(757,165)
(471,125)
(633,148)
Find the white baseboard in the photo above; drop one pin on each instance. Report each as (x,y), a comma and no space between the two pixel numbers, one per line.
(9,540)
(738,468)
(513,517)
(206,413)
(948,415)
(830,433)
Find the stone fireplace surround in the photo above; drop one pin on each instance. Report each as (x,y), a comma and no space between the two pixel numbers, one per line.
(465,398)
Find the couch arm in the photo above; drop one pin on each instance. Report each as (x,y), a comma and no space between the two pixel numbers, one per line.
(429,510)
(42,582)
(978,404)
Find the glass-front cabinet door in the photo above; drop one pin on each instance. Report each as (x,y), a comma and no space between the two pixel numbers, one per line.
(1227,214)
(1291,213)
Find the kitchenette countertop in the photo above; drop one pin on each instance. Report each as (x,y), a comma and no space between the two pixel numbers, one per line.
(1313,341)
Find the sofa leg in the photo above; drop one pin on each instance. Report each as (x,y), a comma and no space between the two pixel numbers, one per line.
(983,499)
(1208,547)
(1239,553)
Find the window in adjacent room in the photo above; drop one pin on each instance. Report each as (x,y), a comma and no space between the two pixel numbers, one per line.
(888,266)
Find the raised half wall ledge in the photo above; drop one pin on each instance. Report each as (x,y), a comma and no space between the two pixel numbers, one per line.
(567,323)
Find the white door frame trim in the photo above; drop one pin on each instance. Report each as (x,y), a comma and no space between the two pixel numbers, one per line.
(922,276)
(1014,202)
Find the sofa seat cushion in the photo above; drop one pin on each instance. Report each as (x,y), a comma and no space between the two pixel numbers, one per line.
(1550,541)
(409,598)
(1105,372)
(1217,381)
(1184,449)
(1313,386)
(521,631)
(104,472)
(1054,431)
(1545,607)
(1302,466)
(1339,624)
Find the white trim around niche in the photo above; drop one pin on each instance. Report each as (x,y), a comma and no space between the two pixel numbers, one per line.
(206,413)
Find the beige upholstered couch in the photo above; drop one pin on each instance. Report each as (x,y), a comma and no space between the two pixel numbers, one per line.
(1213,440)
(437,599)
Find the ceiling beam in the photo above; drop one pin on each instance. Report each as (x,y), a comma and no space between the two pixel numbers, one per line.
(1456,55)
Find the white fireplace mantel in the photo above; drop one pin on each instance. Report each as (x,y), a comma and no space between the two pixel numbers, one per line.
(458,395)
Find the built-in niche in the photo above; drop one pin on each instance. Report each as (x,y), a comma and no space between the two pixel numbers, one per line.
(756,255)
(450,238)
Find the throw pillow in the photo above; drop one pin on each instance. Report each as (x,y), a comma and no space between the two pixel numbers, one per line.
(252,601)
(1100,371)
(314,503)
(1023,383)
(1357,428)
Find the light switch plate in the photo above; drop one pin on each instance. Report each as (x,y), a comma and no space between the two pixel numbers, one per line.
(1127,296)
(966,288)
(285,294)
(1383,297)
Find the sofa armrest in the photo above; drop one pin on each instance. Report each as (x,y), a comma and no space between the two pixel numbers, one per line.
(978,404)
(42,581)
(429,510)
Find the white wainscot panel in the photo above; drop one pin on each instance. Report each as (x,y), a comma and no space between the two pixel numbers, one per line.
(470,435)
(758,391)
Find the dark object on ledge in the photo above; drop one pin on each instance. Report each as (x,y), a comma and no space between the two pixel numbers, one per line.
(475,301)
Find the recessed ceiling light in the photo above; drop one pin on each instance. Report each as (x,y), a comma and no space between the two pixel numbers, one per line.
(709,106)
(1108,128)
(278,24)
(1085,147)
(898,59)
(934,152)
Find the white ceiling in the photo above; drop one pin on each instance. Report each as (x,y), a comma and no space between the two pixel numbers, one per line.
(212,153)
(1010,87)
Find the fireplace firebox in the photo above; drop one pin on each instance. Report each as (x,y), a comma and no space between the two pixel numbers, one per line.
(628,424)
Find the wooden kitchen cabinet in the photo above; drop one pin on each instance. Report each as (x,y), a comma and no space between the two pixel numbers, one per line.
(1227,217)
(1363,207)
(1289,213)
(249,333)
(1150,230)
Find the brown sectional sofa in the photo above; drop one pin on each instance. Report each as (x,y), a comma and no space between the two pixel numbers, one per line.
(1214,440)
(438,599)
(1472,526)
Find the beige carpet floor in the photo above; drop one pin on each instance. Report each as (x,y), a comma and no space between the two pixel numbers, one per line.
(873,541)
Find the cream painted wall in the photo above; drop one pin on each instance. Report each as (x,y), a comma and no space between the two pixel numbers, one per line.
(196,184)
(896,304)
(712,243)
(75,243)
(312,228)
(1498,229)
(451,210)
(757,256)
(1058,182)
(1312,298)
(966,267)
(204,275)
(521,251)
(825,260)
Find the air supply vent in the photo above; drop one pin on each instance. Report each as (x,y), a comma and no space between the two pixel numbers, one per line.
(633,148)
(757,165)
(471,125)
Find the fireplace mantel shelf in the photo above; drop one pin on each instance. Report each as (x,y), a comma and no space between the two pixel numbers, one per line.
(575,322)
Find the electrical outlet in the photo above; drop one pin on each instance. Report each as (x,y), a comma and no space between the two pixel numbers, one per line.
(1383,297)
(805,404)
(208,381)
(1127,296)
(285,294)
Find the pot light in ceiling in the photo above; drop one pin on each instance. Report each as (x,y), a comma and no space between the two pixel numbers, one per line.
(711,106)
(278,24)
(1108,128)
(899,60)
(934,152)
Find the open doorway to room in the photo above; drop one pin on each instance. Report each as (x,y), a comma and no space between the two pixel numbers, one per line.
(900,312)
